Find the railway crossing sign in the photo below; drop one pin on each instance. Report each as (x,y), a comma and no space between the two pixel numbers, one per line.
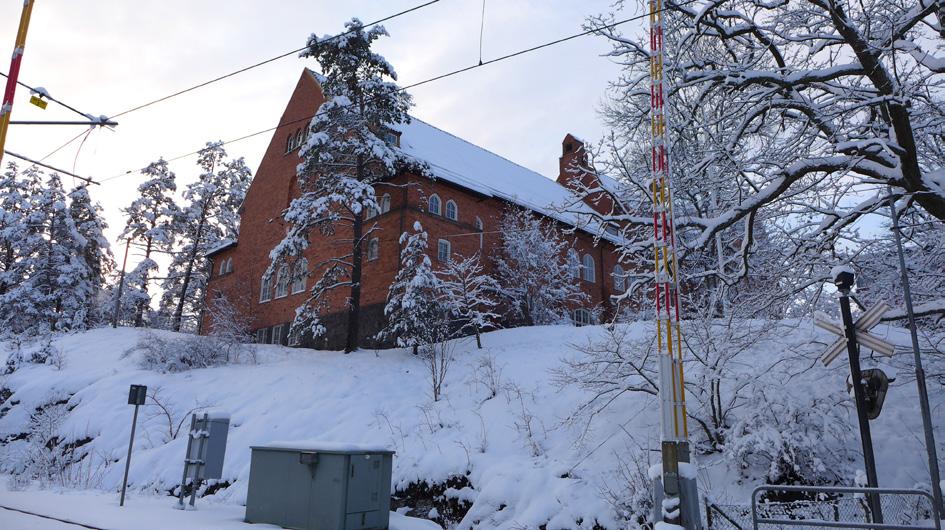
(863,324)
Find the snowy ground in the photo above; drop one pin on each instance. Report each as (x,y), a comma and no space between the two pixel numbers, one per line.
(141,512)
(526,464)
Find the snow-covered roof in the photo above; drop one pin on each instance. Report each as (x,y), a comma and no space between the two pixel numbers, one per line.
(467,165)
(222,245)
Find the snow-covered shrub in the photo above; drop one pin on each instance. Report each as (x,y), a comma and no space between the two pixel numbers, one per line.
(165,354)
(630,493)
(791,439)
(43,353)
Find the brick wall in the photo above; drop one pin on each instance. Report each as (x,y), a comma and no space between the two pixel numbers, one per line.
(261,228)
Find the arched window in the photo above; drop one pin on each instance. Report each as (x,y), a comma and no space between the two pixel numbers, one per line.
(385,203)
(229,265)
(298,138)
(478,225)
(582,317)
(265,288)
(433,204)
(620,279)
(299,274)
(222,267)
(451,211)
(587,269)
(282,281)
(373,249)
(574,264)
(370,213)
(288,143)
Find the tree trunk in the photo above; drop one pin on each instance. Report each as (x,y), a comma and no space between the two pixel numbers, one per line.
(354,301)
(478,338)
(139,310)
(188,272)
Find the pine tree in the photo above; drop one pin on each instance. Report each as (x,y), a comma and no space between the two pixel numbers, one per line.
(209,218)
(532,269)
(96,255)
(412,299)
(344,157)
(470,294)
(149,217)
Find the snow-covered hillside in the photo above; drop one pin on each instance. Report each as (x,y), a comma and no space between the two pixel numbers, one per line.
(503,422)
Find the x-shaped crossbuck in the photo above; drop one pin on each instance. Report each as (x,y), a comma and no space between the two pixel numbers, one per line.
(863,324)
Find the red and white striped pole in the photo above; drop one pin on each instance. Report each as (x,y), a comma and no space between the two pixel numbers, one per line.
(7,106)
(676,506)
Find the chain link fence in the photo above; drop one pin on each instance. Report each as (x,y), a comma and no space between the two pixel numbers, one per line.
(802,508)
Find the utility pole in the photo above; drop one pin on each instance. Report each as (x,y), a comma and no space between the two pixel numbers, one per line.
(919,370)
(844,279)
(675,492)
(121,285)
(6,107)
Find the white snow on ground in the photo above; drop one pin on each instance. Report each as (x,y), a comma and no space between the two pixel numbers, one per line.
(141,512)
(526,465)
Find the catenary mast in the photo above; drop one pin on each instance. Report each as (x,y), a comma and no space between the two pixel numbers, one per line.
(677,481)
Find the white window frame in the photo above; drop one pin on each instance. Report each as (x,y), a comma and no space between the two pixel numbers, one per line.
(265,288)
(478,224)
(434,199)
(385,203)
(588,269)
(455,210)
(276,336)
(582,317)
(299,275)
(293,339)
(574,264)
(620,279)
(373,249)
(282,281)
(370,213)
(229,265)
(261,336)
(443,244)
(222,268)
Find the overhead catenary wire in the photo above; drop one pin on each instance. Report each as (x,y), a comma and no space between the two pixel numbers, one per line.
(47,166)
(419,83)
(264,62)
(50,98)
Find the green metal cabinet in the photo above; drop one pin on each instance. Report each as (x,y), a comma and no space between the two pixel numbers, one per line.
(320,486)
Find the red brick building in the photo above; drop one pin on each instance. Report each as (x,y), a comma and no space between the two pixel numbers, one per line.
(460,209)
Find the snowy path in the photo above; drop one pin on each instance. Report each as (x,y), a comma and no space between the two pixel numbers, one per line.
(141,512)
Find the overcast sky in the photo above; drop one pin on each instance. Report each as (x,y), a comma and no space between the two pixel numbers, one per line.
(106,56)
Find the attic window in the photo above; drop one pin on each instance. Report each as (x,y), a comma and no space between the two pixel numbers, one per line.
(390,137)
(568,147)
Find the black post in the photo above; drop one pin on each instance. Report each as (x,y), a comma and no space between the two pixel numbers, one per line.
(131,441)
(853,351)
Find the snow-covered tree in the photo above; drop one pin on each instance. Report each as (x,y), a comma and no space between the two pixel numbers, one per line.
(14,209)
(55,281)
(413,303)
(343,158)
(149,217)
(96,253)
(470,294)
(778,135)
(532,269)
(210,216)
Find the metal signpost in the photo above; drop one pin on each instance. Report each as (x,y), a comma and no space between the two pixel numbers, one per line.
(853,335)
(136,396)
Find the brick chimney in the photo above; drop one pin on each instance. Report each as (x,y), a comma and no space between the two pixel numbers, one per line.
(573,156)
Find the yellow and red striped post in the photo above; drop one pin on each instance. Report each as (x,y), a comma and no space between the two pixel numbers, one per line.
(674,428)
(7,106)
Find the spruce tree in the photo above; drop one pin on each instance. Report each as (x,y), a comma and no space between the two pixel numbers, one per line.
(412,301)
(96,255)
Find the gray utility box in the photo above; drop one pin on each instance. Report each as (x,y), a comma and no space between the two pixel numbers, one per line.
(320,486)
